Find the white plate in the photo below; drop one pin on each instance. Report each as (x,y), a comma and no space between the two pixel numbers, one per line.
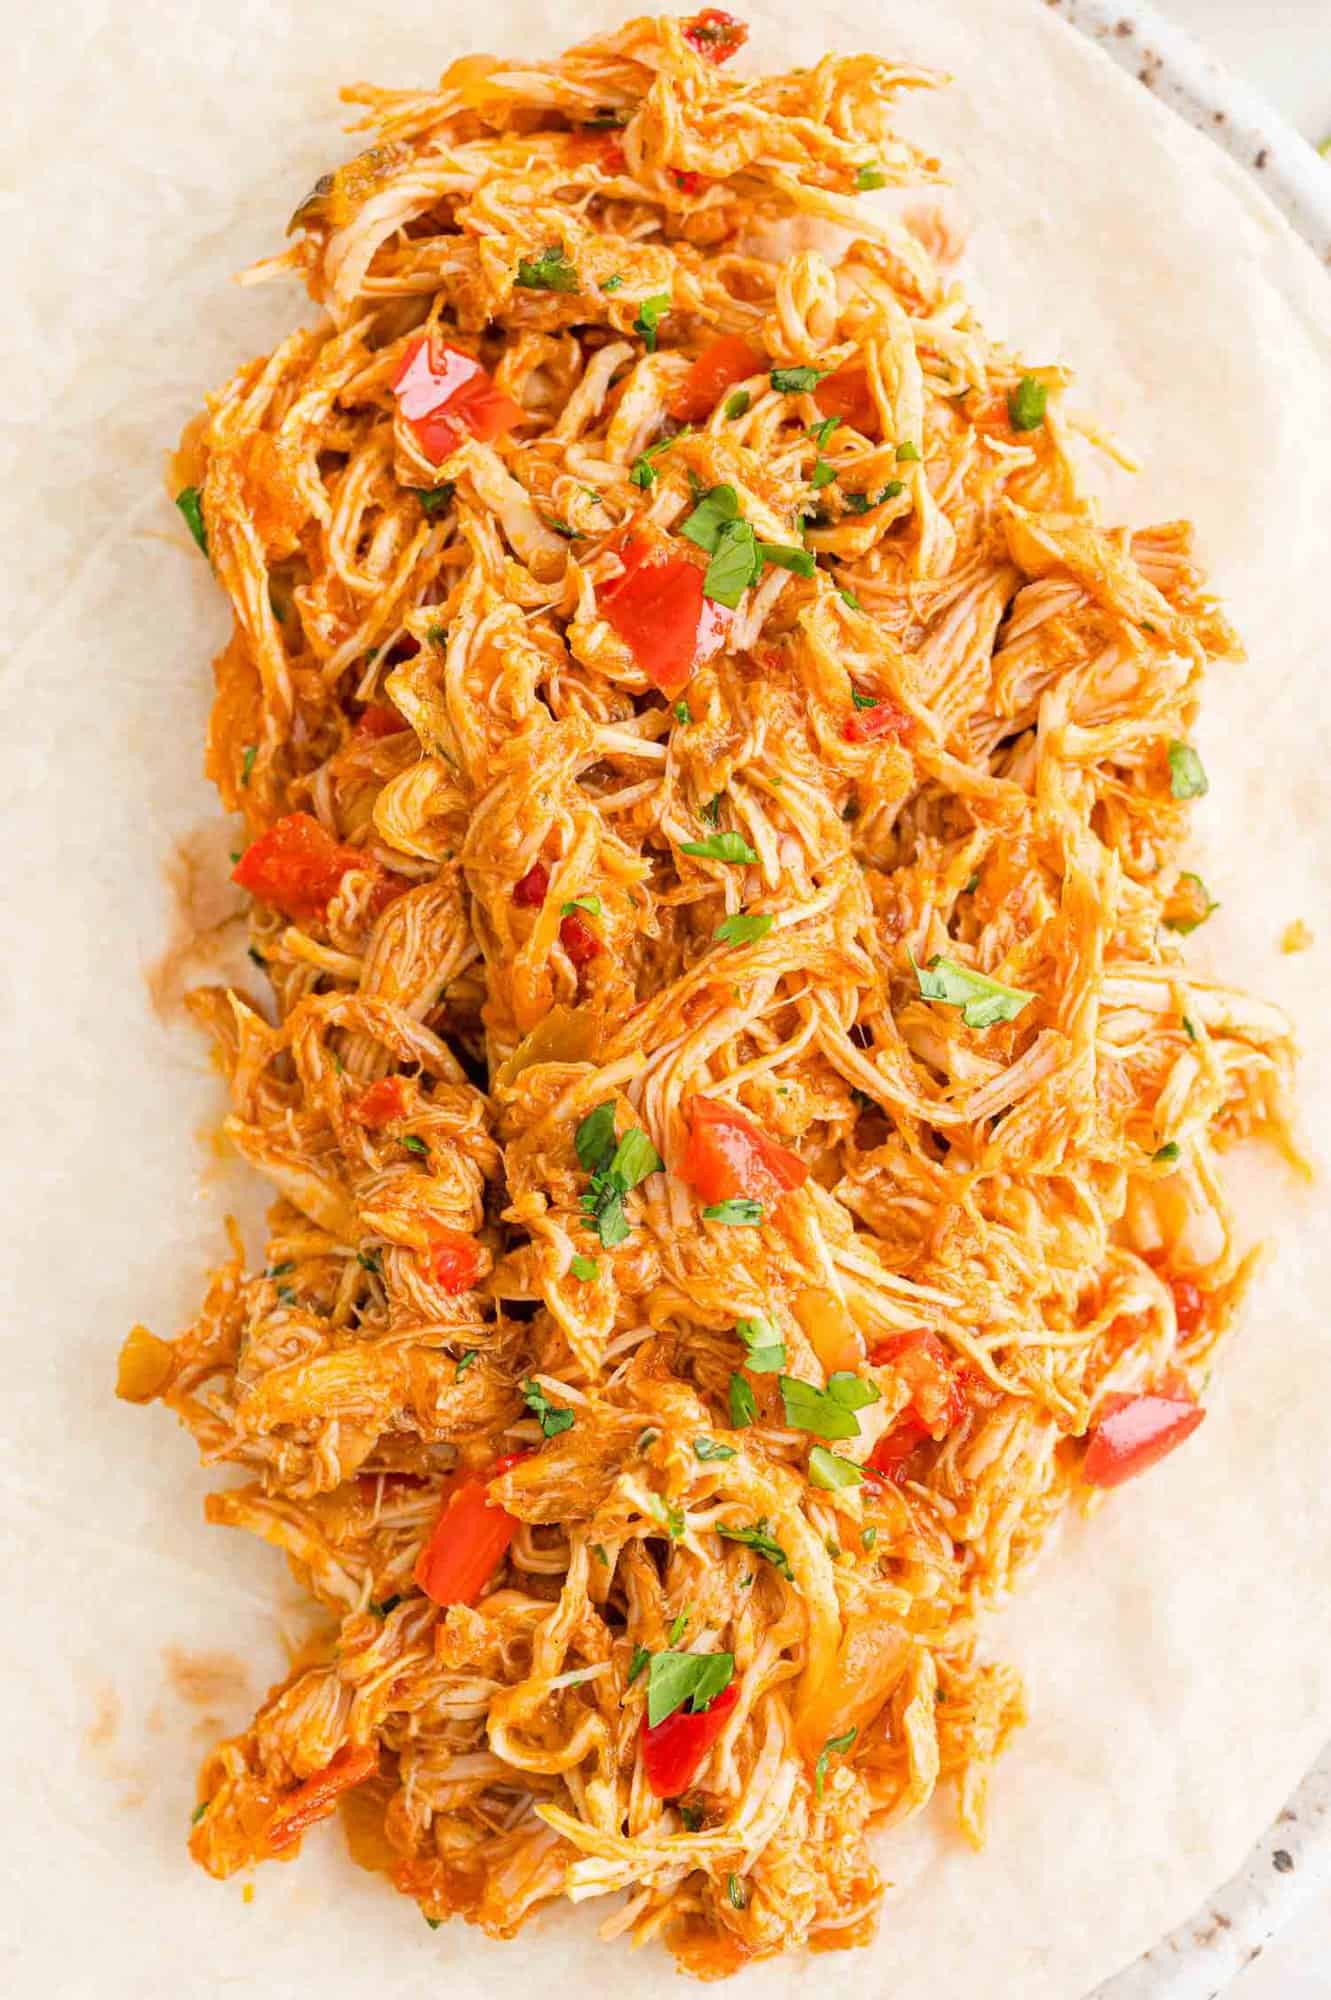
(1198,1960)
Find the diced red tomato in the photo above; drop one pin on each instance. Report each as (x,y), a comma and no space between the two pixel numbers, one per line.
(937,1400)
(297,867)
(658,610)
(455,1258)
(687,182)
(728,1156)
(579,939)
(1189,1304)
(532,889)
(847,395)
(381,1103)
(446,396)
(890,1457)
(1132,1433)
(716,36)
(866,725)
(469,1540)
(317,1797)
(727,361)
(673,1752)
(378,720)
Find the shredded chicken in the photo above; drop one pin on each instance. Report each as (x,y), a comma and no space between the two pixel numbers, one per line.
(942,737)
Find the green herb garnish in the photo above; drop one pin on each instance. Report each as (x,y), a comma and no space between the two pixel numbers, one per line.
(650,314)
(706,1449)
(465,1361)
(726,846)
(191,506)
(1026,404)
(759,1538)
(839,1744)
(640,1658)
(801,561)
(907,453)
(717,508)
(583,1268)
(744,929)
(247,762)
(550,272)
(736,564)
(643,472)
(1185,925)
(413,1144)
(1187,778)
(552,1417)
(828,1470)
(796,381)
(982,1001)
(867,178)
(739,404)
(683,713)
(612,283)
(765,1350)
(737,1892)
(830,1412)
(1165,1155)
(739,1213)
(695,1678)
(434,499)
(591,904)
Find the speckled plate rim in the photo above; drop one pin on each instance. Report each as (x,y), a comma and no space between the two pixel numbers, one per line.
(1199,1959)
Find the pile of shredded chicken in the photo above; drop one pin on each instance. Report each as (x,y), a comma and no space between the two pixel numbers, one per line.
(743,1125)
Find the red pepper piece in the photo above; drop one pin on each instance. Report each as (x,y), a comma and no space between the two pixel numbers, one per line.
(715,35)
(469,1540)
(532,890)
(1132,1433)
(673,1752)
(658,610)
(579,939)
(455,1258)
(297,867)
(866,725)
(717,369)
(380,1104)
(446,396)
(846,394)
(317,1797)
(728,1156)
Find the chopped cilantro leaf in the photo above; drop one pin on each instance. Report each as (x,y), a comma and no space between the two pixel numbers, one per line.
(726,846)
(552,1417)
(583,1268)
(743,1407)
(550,272)
(650,314)
(760,1539)
(739,1214)
(1187,777)
(832,1472)
(695,1678)
(982,1001)
(839,1744)
(191,506)
(1026,404)
(744,929)
(868,178)
(796,381)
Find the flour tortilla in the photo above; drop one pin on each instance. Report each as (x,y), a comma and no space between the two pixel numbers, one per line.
(1177,1649)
